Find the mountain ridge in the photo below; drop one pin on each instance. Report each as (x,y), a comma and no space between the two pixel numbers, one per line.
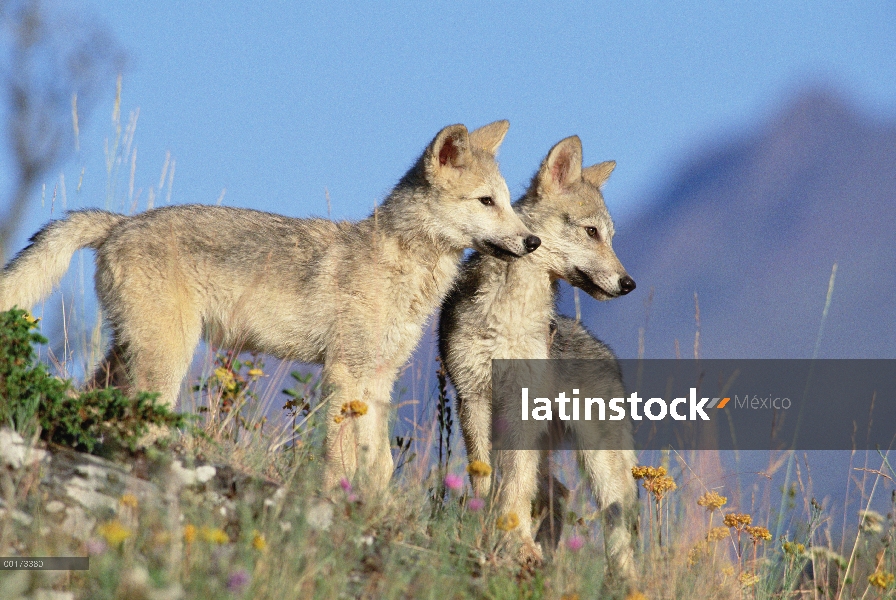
(754,226)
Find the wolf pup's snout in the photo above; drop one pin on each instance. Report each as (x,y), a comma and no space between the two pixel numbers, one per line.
(533,242)
(626,284)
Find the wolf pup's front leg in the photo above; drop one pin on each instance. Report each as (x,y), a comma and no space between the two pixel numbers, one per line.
(357,431)
(519,483)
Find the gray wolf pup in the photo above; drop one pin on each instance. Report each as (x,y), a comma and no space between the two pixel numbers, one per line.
(504,310)
(350,296)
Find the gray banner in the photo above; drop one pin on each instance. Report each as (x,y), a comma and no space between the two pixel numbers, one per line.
(44,563)
(696,405)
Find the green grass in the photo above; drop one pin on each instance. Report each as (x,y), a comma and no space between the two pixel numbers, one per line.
(420,541)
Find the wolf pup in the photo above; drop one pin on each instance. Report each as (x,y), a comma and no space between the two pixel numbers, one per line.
(350,296)
(501,310)
(615,489)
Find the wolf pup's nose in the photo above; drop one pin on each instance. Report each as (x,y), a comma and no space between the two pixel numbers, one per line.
(626,284)
(533,242)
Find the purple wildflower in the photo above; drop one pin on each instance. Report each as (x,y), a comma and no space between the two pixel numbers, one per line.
(237,581)
(575,543)
(454,482)
(475,504)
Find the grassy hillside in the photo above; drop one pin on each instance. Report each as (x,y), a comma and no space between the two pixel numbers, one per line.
(162,529)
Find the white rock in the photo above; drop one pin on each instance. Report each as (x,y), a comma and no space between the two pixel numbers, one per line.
(185,476)
(320,516)
(84,491)
(205,473)
(188,477)
(15,453)
(77,524)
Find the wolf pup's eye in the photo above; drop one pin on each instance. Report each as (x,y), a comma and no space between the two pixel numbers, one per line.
(591,231)
(487,201)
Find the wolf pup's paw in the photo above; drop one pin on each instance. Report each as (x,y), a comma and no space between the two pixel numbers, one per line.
(530,555)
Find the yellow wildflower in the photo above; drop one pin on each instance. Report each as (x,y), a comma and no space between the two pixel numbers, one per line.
(712,501)
(226,378)
(189,533)
(258,541)
(794,548)
(508,522)
(214,535)
(717,533)
(659,486)
(114,532)
(129,500)
(648,472)
(655,480)
(748,579)
(355,408)
(758,533)
(737,520)
(31,319)
(881,579)
(256,372)
(477,468)
(728,571)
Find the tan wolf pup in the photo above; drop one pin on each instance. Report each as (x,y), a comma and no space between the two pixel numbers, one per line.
(350,296)
(504,310)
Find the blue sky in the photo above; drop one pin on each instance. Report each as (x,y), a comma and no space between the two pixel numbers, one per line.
(277,102)
(280,101)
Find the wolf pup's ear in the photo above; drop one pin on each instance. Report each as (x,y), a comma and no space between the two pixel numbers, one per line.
(598,174)
(449,150)
(563,165)
(489,137)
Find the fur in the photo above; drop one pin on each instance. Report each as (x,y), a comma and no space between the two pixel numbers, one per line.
(503,310)
(352,296)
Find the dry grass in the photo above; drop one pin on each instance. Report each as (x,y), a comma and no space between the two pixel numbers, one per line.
(426,540)
(700,537)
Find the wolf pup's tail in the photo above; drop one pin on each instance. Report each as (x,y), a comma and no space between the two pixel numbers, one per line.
(32,274)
